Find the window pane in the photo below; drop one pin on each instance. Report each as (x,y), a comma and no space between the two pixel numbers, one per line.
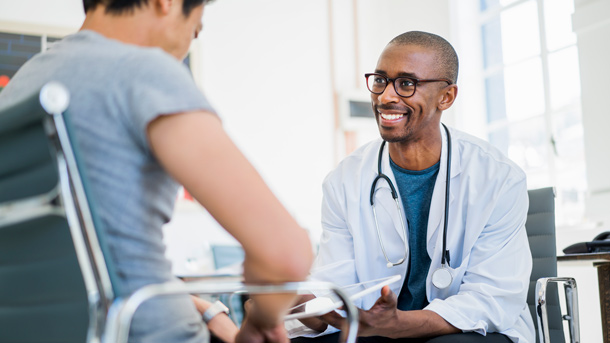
(491,33)
(568,140)
(564,77)
(51,41)
(570,166)
(570,201)
(525,144)
(517,95)
(495,97)
(524,90)
(500,139)
(487,4)
(15,50)
(558,23)
(520,34)
(507,2)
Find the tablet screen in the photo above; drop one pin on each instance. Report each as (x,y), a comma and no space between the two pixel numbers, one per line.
(326,303)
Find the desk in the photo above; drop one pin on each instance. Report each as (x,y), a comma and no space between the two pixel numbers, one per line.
(602,262)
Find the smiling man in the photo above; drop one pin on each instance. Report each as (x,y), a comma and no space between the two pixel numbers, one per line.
(442,209)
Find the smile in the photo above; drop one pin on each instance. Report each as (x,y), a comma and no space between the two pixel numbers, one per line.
(391,116)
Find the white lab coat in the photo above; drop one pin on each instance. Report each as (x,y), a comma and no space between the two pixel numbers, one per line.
(490,256)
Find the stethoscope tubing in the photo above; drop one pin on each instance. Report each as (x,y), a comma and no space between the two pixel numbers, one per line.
(445,259)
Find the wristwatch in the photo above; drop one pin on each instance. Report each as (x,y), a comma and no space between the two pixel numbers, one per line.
(216,308)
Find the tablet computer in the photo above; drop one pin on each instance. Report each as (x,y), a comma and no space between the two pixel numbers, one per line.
(324,304)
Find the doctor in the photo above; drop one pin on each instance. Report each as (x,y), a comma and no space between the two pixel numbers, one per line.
(455,232)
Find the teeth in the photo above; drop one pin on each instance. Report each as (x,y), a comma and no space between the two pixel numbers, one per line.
(391,116)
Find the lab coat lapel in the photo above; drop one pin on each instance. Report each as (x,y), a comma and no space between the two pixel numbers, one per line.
(437,205)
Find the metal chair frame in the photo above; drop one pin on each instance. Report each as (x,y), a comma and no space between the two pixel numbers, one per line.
(541,296)
(571,297)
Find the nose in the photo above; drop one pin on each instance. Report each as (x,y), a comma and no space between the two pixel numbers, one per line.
(389,94)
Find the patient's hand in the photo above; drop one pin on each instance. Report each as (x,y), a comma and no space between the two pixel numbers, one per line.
(221,325)
(254,330)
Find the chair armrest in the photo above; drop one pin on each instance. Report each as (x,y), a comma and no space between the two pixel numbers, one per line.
(571,295)
(122,311)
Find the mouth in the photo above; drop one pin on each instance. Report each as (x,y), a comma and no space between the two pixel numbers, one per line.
(389,116)
(394,116)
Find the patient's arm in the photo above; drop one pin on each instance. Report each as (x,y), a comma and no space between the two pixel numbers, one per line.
(221,325)
(194,148)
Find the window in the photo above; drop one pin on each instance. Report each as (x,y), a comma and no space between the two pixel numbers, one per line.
(16,49)
(532,95)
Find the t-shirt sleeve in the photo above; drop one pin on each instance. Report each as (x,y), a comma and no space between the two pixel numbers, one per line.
(161,86)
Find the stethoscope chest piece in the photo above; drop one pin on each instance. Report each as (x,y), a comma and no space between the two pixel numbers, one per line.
(442,278)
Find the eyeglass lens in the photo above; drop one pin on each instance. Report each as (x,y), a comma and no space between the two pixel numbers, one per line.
(404,86)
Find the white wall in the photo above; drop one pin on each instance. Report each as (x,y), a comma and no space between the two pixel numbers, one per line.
(591,21)
(266,72)
(264,67)
(63,15)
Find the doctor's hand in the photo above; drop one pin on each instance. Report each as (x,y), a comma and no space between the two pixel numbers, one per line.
(314,323)
(384,319)
(379,320)
(255,330)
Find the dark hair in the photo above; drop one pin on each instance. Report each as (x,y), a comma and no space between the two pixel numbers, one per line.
(122,6)
(447,58)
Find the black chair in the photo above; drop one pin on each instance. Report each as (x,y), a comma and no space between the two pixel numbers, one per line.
(543,296)
(55,283)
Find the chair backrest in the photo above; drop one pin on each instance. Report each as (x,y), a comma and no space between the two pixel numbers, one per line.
(540,227)
(54,286)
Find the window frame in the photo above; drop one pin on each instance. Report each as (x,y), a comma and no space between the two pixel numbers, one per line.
(469,21)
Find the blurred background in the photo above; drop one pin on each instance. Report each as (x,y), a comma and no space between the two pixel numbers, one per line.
(287,79)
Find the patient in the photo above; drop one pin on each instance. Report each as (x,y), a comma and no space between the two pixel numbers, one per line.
(144,128)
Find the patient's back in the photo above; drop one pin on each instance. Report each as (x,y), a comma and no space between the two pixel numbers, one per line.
(116,90)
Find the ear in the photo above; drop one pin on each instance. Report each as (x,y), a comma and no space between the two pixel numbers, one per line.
(163,6)
(448,95)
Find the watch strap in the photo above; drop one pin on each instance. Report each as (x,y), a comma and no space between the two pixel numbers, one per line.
(216,308)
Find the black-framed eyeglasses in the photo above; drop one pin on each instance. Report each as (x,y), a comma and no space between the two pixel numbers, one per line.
(404,86)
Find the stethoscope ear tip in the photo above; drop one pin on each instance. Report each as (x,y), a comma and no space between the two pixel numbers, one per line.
(390,265)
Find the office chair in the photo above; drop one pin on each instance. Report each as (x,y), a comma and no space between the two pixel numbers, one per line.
(56,284)
(543,297)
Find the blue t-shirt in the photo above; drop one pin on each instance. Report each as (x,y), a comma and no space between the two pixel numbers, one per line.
(415,188)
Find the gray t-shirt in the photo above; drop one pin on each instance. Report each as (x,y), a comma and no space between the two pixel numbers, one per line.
(116,90)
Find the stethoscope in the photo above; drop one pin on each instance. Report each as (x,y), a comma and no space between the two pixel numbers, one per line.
(441,277)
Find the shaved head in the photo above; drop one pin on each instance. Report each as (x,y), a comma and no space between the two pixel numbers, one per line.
(446,57)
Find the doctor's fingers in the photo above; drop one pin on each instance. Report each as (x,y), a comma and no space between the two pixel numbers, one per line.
(334,319)
(388,299)
(387,295)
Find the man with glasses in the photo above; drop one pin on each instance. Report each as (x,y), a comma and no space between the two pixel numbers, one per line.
(442,209)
